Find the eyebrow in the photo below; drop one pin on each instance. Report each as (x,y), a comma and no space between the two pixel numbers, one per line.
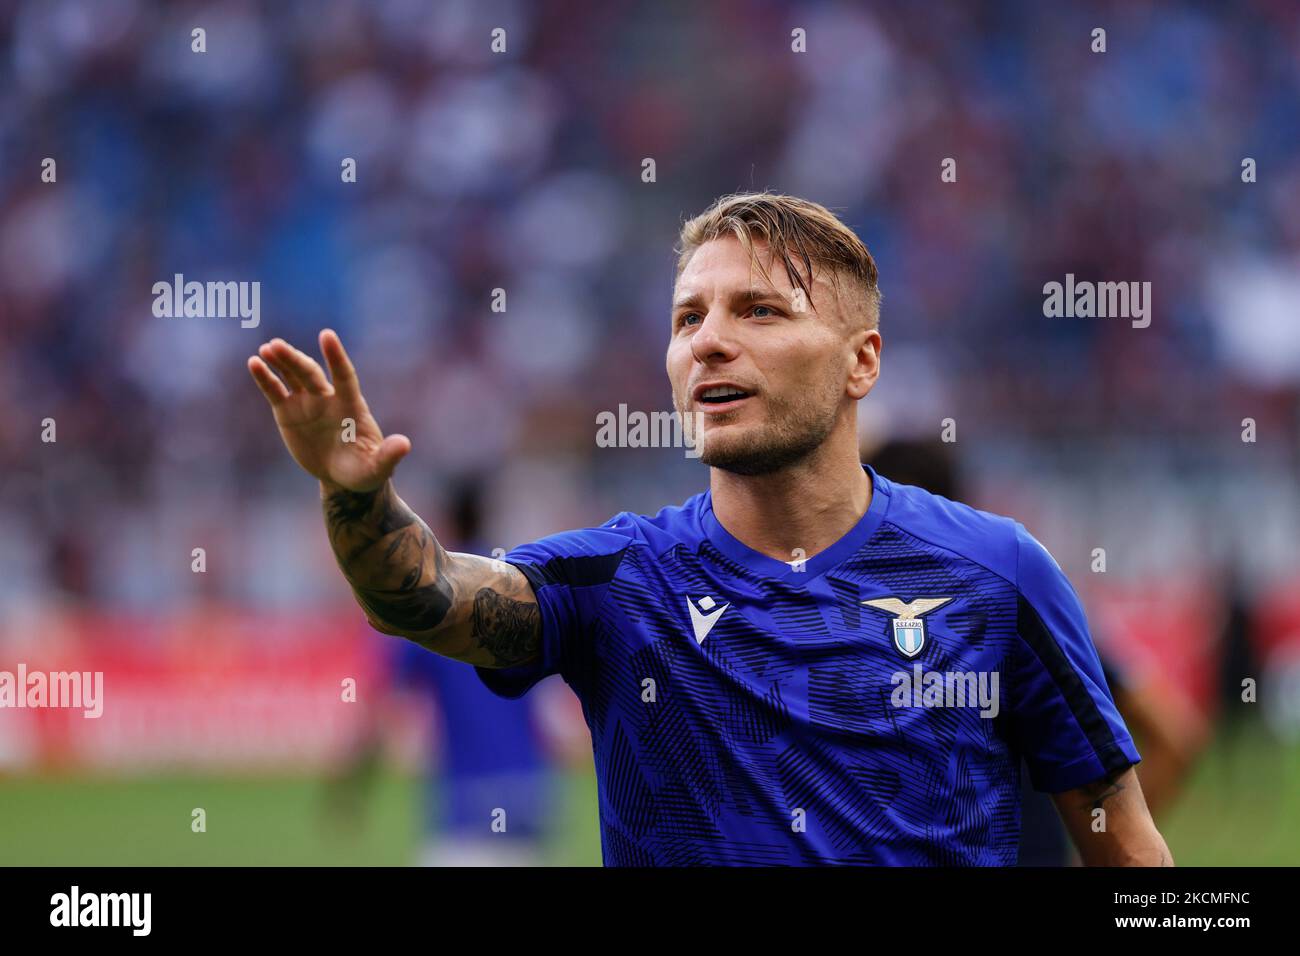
(747,297)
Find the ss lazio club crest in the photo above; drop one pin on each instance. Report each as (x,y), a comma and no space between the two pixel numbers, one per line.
(909,629)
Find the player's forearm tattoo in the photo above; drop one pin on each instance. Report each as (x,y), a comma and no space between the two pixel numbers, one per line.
(509,630)
(409,585)
(391,559)
(1099,792)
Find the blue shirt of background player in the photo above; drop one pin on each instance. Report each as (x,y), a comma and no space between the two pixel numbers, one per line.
(490,756)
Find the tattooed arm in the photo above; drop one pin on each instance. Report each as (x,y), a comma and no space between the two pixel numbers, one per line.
(1109,823)
(463,606)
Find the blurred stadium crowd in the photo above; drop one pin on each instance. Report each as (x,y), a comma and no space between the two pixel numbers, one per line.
(523,171)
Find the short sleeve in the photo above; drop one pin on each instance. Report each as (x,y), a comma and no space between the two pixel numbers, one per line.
(1067,725)
(569,573)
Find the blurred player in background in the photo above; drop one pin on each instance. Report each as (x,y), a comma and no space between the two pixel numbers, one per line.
(1170,733)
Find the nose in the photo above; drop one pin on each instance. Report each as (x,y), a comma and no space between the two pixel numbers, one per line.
(713,341)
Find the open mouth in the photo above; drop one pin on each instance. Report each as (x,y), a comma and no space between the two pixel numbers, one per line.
(720,397)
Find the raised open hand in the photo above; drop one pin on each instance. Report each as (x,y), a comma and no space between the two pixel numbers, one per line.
(313,415)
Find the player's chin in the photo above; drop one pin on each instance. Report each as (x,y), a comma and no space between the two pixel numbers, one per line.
(728,444)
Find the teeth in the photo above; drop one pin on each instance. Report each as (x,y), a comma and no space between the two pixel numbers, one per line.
(721,391)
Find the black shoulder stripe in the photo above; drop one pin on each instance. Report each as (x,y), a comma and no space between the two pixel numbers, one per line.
(1077,698)
(578,572)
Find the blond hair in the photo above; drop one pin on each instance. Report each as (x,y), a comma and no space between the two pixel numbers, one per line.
(793,229)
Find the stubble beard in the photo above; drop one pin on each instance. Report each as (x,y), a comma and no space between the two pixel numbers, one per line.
(791,432)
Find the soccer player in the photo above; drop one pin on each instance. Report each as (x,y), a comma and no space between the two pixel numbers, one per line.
(805,664)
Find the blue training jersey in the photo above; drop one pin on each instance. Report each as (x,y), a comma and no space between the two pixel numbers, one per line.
(867,705)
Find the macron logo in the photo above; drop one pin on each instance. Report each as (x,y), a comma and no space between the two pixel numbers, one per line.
(705,616)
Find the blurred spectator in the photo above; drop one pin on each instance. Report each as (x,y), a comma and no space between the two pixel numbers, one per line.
(521,171)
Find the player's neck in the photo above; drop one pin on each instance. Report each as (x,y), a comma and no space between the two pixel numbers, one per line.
(809,505)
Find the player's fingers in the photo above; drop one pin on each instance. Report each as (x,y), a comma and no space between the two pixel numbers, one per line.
(274,357)
(391,451)
(303,367)
(269,385)
(342,373)
(311,372)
